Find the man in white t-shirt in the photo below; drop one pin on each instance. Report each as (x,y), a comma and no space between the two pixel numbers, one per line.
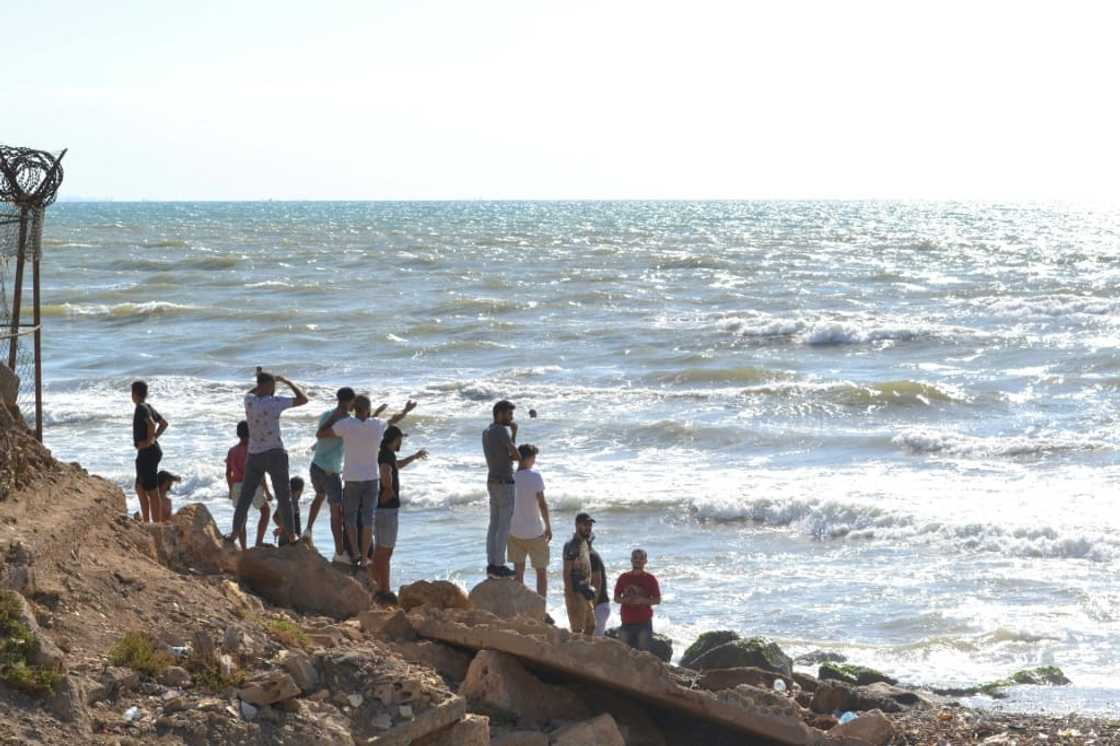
(530,528)
(361,440)
(267,454)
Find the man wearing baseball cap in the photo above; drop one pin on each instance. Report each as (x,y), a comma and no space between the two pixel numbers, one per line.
(499,446)
(388,506)
(579,591)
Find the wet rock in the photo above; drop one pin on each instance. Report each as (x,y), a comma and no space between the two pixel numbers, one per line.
(439,594)
(851,674)
(705,642)
(472,730)
(660,645)
(872,728)
(301,668)
(756,652)
(836,695)
(508,600)
(297,577)
(805,681)
(599,731)
(818,657)
(729,678)
(267,688)
(499,684)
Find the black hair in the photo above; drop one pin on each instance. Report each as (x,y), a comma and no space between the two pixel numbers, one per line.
(243,429)
(140,388)
(526,450)
(345,394)
(504,406)
(166,477)
(295,483)
(362,402)
(263,378)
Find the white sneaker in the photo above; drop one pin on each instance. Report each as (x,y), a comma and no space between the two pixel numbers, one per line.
(342,559)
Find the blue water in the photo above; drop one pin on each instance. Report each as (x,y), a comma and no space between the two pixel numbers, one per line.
(884,429)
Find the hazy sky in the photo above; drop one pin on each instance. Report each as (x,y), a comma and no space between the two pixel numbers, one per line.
(357,99)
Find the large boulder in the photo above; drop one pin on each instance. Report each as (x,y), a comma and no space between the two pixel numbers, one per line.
(450,663)
(836,695)
(660,645)
(729,678)
(852,674)
(438,594)
(191,541)
(507,599)
(705,642)
(756,652)
(268,688)
(499,684)
(599,731)
(753,712)
(297,577)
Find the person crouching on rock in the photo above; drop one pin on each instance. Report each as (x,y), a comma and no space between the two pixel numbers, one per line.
(235,475)
(578,592)
(638,592)
(388,506)
(164,480)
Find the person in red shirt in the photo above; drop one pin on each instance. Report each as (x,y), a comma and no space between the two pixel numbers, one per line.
(638,593)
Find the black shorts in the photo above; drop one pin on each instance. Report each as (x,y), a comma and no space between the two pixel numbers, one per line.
(147,467)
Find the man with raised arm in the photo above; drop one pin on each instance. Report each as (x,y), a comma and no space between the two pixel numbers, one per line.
(499,446)
(267,454)
(326,473)
(361,441)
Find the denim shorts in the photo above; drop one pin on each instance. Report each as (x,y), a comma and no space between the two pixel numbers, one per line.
(385,528)
(325,482)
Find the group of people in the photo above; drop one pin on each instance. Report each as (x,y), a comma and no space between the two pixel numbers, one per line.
(356,470)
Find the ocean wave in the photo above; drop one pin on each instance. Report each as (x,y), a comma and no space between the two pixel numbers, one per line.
(747,374)
(823,332)
(839,333)
(204,262)
(1050,306)
(832,520)
(167,243)
(761,327)
(117,310)
(901,393)
(457,306)
(928,441)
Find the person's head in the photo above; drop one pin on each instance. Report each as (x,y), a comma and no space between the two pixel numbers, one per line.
(266,383)
(393,438)
(528,455)
(243,430)
(638,559)
(295,485)
(165,479)
(584,525)
(139,392)
(362,406)
(503,412)
(346,398)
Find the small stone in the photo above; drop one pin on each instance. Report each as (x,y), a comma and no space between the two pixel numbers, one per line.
(406,712)
(320,696)
(355,700)
(381,721)
(175,676)
(248,711)
(232,639)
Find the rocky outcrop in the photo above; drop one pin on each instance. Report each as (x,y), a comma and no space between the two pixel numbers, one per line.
(705,642)
(851,674)
(191,541)
(268,688)
(871,728)
(499,684)
(507,599)
(612,665)
(450,663)
(387,624)
(472,730)
(729,678)
(297,577)
(437,594)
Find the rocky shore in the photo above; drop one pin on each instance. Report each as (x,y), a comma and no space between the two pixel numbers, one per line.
(120,633)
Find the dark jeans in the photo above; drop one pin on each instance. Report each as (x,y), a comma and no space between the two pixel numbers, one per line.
(637,636)
(275,464)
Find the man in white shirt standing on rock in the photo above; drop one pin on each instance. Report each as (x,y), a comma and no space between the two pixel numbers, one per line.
(361,440)
(267,454)
(530,529)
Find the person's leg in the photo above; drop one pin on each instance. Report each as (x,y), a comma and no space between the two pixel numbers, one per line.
(254,473)
(385,522)
(495,553)
(241,538)
(313,512)
(628,635)
(542,581)
(262,523)
(539,557)
(165,506)
(334,504)
(276,464)
(588,618)
(505,518)
(602,614)
(352,503)
(519,571)
(142,496)
(368,497)
(645,635)
(516,553)
(571,605)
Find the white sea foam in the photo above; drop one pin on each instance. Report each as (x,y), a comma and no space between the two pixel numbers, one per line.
(930,441)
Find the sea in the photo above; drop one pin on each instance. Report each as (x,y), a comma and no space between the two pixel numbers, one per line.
(882,429)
